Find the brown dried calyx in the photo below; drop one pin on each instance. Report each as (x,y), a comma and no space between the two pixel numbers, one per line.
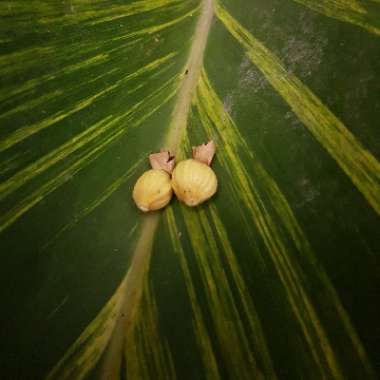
(162,160)
(205,152)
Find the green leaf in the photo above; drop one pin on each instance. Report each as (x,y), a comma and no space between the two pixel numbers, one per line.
(275,277)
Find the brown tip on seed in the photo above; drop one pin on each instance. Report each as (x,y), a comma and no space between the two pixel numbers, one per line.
(162,160)
(205,152)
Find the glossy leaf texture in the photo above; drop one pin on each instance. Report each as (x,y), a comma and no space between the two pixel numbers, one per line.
(277,276)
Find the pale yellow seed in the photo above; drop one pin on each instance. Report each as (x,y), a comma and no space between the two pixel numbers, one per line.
(193,182)
(152,190)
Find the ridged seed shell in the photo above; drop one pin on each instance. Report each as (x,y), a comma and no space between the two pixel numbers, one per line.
(193,182)
(152,190)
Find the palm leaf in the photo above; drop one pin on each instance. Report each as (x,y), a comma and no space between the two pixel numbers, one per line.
(257,282)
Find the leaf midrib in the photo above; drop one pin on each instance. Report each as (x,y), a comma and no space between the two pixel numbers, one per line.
(134,279)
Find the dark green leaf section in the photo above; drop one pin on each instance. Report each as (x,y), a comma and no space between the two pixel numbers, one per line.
(335,217)
(82,86)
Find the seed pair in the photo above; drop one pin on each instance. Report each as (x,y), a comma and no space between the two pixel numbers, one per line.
(192,180)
